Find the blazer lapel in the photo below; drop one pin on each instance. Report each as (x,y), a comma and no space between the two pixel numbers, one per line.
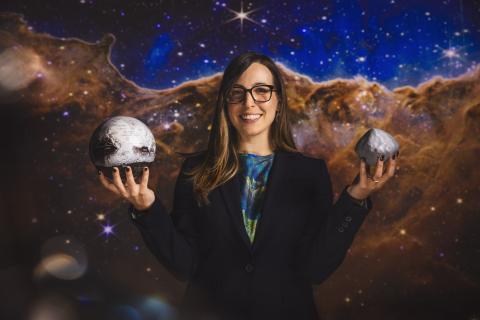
(278,172)
(231,193)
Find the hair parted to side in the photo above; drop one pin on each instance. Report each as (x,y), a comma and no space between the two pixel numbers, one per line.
(221,162)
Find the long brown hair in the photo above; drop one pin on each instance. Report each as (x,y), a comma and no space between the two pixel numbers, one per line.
(221,162)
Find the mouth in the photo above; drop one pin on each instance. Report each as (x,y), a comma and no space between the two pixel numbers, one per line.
(250,117)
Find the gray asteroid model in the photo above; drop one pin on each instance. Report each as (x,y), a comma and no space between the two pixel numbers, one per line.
(119,142)
(376,142)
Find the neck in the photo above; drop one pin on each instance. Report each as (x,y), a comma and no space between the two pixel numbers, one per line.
(261,149)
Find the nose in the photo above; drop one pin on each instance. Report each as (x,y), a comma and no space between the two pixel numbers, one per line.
(249,102)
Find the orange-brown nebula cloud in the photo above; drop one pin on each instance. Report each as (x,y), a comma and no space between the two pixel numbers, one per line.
(420,238)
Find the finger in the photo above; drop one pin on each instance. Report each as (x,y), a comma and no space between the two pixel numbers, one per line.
(117,181)
(144,180)
(130,179)
(379,169)
(107,184)
(391,167)
(389,173)
(363,172)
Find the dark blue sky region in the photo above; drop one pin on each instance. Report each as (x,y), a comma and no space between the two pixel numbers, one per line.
(160,44)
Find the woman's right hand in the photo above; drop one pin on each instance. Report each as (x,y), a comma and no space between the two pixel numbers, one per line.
(139,195)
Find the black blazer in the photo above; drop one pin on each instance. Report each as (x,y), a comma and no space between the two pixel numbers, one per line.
(300,240)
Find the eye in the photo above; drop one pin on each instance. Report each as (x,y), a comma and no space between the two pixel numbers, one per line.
(236,94)
(236,91)
(262,91)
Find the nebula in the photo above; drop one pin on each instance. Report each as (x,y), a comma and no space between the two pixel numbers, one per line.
(419,242)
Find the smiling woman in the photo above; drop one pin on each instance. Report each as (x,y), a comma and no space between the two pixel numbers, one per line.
(253,225)
(253,114)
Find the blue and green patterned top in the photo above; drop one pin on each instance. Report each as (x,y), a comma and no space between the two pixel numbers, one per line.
(254,175)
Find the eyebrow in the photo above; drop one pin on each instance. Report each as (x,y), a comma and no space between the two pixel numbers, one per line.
(256,83)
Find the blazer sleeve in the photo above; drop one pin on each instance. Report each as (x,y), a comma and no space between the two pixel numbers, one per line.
(172,238)
(333,228)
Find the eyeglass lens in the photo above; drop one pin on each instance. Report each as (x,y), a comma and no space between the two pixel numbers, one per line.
(259,94)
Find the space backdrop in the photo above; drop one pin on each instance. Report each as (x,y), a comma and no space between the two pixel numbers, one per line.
(68,249)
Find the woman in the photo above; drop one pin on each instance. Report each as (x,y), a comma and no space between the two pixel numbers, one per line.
(252,225)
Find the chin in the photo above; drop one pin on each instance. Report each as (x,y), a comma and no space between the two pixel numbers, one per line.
(252,132)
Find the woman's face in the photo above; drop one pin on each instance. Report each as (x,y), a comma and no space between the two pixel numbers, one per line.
(253,119)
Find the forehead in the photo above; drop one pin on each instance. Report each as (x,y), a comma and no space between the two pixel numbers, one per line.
(256,72)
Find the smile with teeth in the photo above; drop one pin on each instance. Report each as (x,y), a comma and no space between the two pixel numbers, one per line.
(250,116)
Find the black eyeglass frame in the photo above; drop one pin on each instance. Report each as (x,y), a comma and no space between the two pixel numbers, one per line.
(245,90)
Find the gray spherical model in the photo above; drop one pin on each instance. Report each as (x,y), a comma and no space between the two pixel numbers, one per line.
(119,142)
(376,142)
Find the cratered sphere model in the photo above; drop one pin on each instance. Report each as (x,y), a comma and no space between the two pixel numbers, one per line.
(119,142)
(376,142)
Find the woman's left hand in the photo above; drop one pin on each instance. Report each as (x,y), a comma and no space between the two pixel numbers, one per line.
(366,184)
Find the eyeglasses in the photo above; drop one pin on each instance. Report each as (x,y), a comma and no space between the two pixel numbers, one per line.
(259,93)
